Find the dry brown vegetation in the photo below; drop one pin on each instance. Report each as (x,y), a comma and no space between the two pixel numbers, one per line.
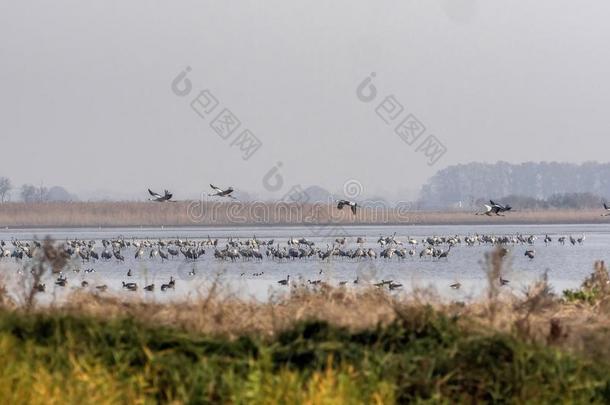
(538,317)
(322,345)
(536,314)
(112,214)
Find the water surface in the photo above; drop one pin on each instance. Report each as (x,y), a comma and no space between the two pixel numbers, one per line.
(567,265)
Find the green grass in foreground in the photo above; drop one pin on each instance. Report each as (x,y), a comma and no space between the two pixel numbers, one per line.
(424,356)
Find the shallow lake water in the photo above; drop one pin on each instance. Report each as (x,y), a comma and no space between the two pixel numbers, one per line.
(567,265)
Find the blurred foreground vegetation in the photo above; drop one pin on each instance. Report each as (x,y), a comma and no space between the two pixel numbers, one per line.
(320,346)
(422,355)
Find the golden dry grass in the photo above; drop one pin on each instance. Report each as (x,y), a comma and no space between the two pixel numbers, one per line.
(536,316)
(216,346)
(114,214)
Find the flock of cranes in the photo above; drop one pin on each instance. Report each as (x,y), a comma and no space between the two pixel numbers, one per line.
(230,250)
(228,193)
(490,209)
(167,196)
(388,248)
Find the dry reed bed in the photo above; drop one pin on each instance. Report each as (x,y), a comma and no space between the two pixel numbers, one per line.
(220,349)
(114,214)
(537,316)
(578,320)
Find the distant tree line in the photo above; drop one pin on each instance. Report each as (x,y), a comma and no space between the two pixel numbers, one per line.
(29,193)
(539,185)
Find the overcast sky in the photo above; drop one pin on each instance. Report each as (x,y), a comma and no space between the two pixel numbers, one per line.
(87,103)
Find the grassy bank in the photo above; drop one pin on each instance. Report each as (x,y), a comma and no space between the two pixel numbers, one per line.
(422,355)
(136,214)
(314,345)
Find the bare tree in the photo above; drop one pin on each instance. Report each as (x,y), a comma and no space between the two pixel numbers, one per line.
(5,188)
(43,193)
(29,193)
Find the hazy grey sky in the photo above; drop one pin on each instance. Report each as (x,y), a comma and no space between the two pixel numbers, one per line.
(86,100)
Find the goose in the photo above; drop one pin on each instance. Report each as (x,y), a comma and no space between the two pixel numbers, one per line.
(342,203)
(222,193)
(163,255)
(84,284)
(547,239)
(503,281)
(61,281)
(383,283)
(393,286)
(130,286)
(171,284)
(607,210)
(456,285)
(530,253)
(129,273)
(284,281)
(102,287)
(149,287)
(158,197)
(192,272)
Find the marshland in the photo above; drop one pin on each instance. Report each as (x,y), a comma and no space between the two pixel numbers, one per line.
(481,323)
(313,202)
